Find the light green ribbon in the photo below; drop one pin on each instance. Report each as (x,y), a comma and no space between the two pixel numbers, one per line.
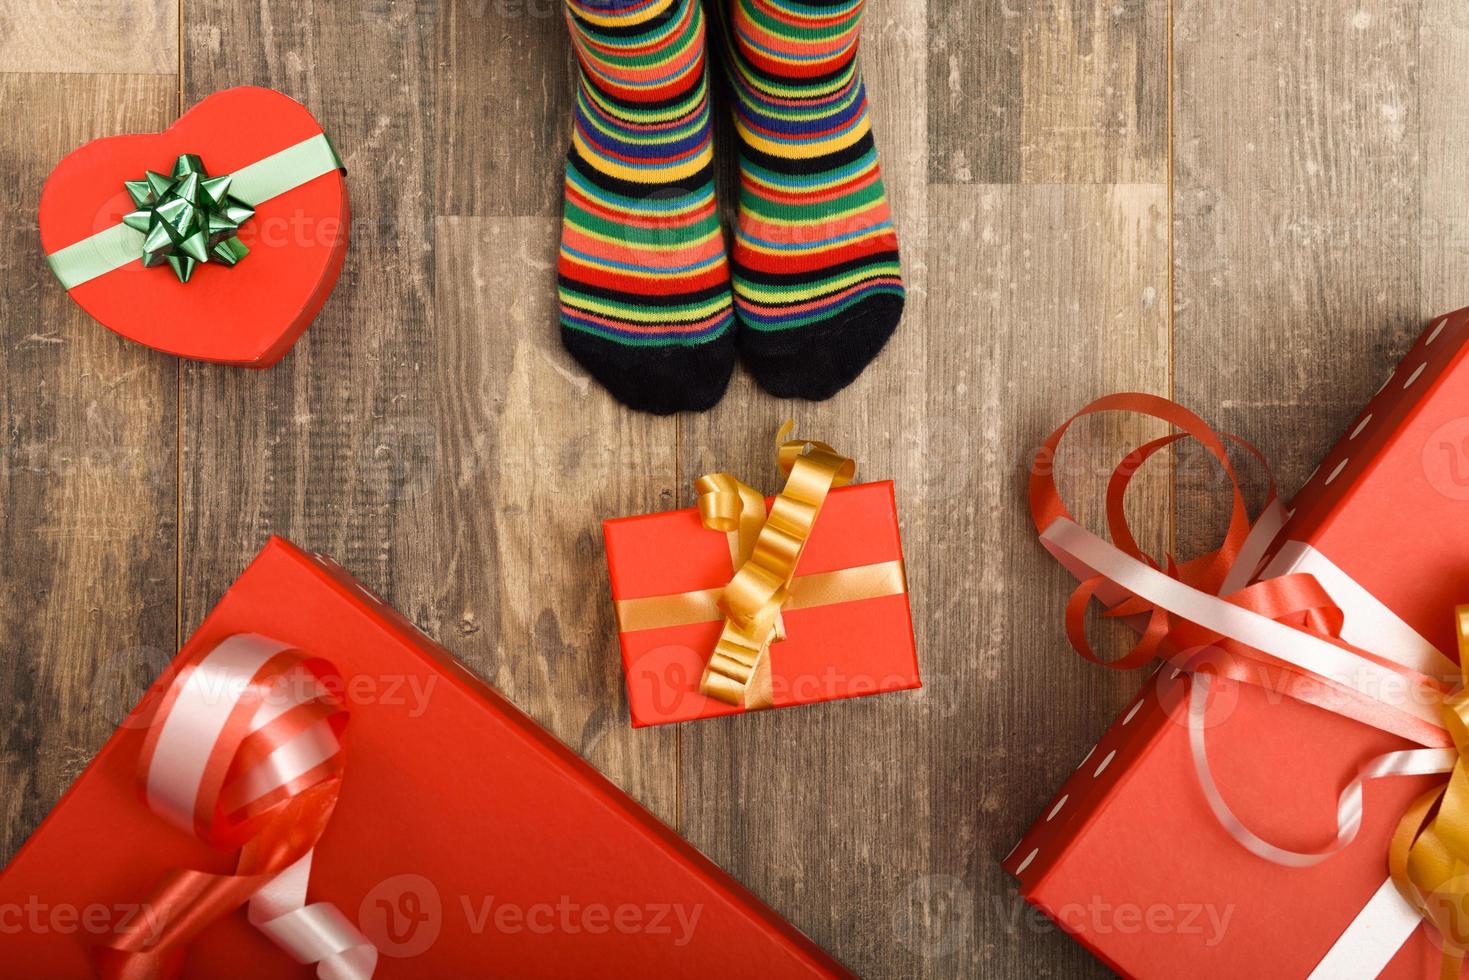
(262,180)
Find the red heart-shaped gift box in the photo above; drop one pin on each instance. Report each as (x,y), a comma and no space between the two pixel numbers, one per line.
(248,314)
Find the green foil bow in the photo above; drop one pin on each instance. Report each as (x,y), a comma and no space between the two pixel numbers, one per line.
(187,218)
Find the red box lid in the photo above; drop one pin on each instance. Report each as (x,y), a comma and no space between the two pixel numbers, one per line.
(467,840)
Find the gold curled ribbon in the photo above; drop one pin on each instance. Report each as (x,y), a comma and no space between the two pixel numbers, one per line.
(765,549)
(1429,853)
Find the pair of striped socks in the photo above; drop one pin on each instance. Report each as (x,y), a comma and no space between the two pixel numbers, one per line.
(651,305)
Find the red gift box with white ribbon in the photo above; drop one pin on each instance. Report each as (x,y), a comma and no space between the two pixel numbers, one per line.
(314,787)
(1236,819)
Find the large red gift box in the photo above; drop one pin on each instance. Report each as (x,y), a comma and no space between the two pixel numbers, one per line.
(1128,856)
(840,650)
(248,314)
(467,841)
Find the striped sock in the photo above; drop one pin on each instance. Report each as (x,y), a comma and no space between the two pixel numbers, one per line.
(818,289)
(643,278)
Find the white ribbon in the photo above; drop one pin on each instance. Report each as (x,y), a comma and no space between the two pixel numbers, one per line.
(1309,653)
(318,933)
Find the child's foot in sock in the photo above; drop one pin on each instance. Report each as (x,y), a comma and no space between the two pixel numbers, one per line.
(644,283)
(818,289)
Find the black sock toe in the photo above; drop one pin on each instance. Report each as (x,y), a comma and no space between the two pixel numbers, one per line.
(819,360)
(660,380)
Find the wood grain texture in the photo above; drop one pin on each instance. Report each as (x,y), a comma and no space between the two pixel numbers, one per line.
(529,451)
(88,470)
(137,37)
(1048,91)
(1066,285)
(328,446)
(1299,225)
(502,99)
(1443,142)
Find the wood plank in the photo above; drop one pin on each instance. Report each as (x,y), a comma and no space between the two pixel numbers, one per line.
(1072,91)
(1064,289)
(325,447)
(1298,226)
(1443,85)
(825,811)
(502,99)
(137,37)
(877,825)
(531,455)
(88,475)
(975,101)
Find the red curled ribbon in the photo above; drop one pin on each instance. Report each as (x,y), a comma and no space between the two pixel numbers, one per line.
(244,752)
(1203,616)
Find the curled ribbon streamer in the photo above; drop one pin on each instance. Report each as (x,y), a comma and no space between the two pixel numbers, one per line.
(244,752)
(765,549)
(1282,633)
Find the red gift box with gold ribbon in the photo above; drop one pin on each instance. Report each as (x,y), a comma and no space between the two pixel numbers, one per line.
(748,602)
(1287,796)
(314,787)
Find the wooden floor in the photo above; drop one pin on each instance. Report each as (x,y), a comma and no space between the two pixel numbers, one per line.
(1252,206)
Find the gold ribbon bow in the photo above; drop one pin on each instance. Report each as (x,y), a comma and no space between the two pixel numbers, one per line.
(1429,853)
(765,550)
